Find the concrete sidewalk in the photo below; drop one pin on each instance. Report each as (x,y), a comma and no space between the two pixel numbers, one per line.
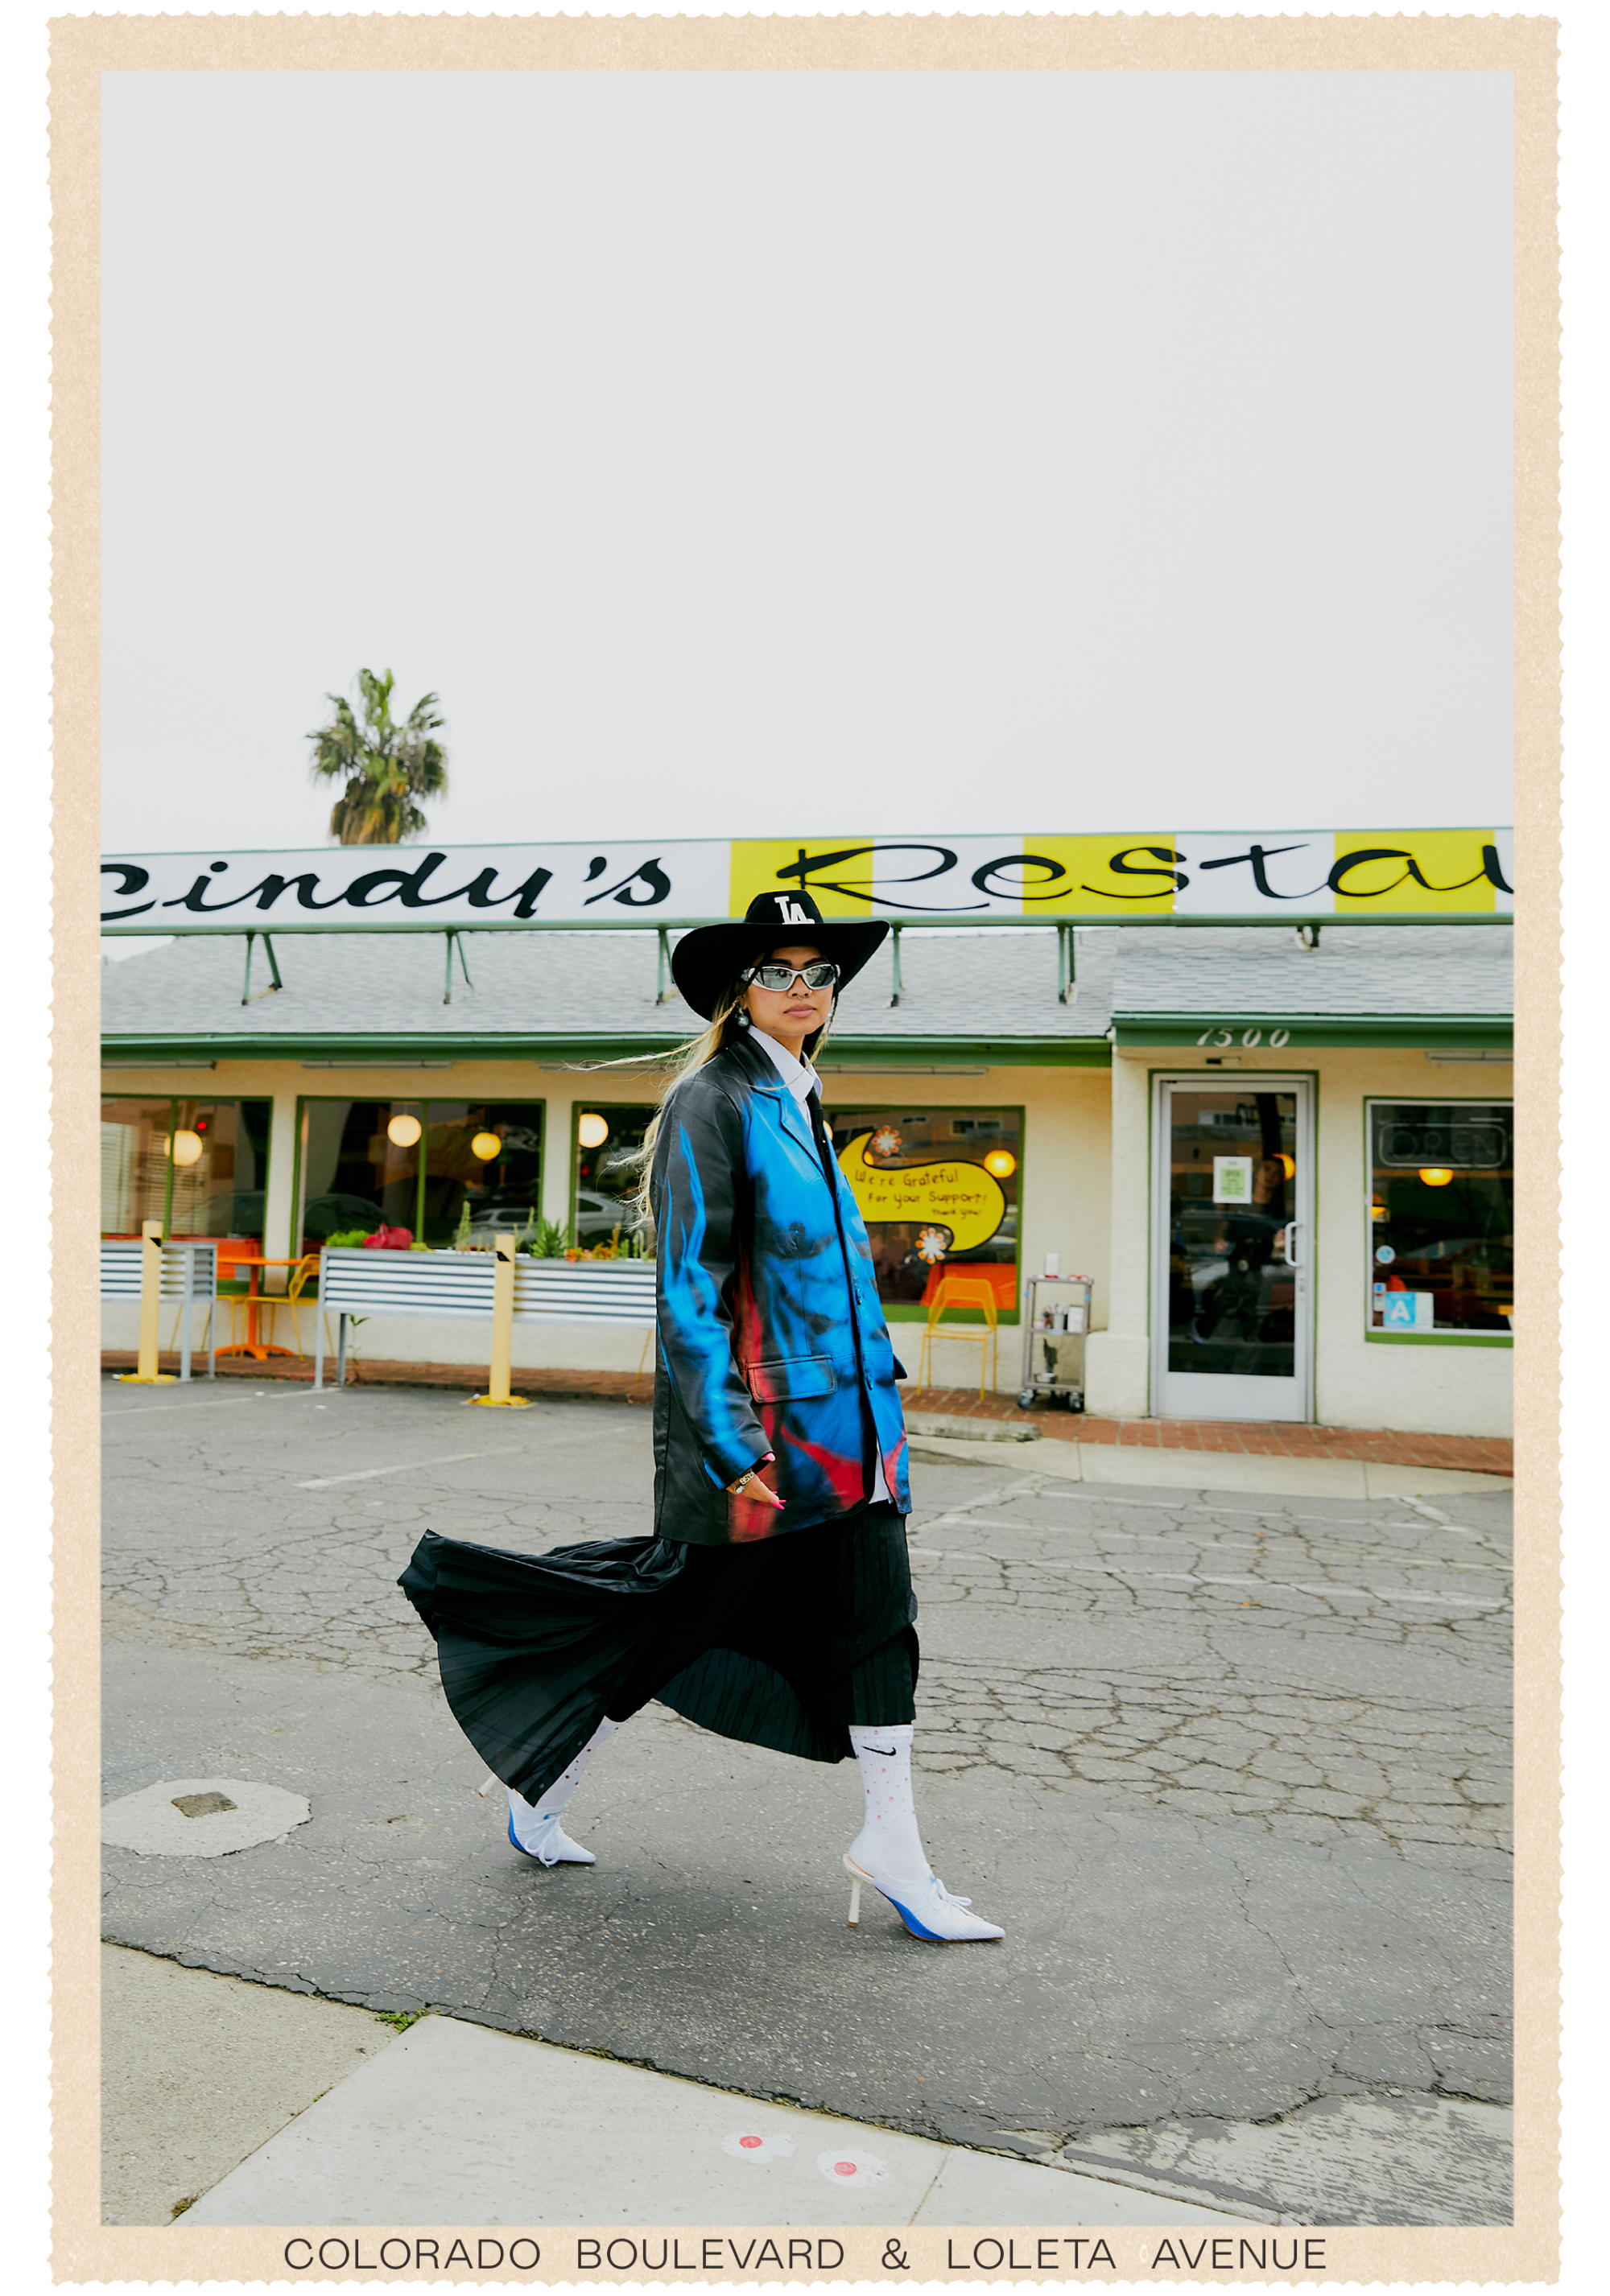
(1208,1470)
(1485,1456)
(232,2104)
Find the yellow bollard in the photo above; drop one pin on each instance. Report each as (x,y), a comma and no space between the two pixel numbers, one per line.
(503,1329)
(150,1310)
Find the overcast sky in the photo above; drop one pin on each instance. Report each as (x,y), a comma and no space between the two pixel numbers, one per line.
(758,454)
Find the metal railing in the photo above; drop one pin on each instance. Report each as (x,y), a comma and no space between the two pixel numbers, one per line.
(152,1272)
(354,1282)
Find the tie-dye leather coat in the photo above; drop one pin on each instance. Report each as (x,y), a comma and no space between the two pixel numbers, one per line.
(770,1334)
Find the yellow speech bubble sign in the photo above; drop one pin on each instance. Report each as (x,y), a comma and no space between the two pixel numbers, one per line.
(947,1192)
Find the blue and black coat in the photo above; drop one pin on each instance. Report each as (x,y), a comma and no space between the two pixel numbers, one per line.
(771,1337)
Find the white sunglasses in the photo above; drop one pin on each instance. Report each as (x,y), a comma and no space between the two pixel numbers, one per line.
(779,978)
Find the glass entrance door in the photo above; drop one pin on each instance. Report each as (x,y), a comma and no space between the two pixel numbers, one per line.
(1232,1234)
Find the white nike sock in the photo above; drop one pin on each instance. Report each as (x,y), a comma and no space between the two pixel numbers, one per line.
(565,1784)
(889,1843)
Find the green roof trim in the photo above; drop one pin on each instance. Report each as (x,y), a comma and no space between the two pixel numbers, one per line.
(878,1056)
(1299,1031)
(885,1054)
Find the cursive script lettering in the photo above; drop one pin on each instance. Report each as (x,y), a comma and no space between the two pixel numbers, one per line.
(1254,858)
(809,865)
(649,873)
(134,881)
(1122,866)
(1054,871)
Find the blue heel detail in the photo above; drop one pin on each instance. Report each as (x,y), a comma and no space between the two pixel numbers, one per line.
(912,1923)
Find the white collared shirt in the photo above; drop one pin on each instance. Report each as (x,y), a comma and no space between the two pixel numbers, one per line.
(798,1076)
(801,1080)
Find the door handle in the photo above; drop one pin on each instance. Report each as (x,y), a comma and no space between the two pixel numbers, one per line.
(1291,1226)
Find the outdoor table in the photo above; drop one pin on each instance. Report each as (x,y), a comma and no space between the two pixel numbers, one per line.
(255,1301)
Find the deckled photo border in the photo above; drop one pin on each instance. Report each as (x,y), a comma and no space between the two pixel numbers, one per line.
(82,48)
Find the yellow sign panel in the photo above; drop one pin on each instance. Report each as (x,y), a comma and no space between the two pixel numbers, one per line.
(823,869)
(1415,869)
(947,1192)
(1135,876)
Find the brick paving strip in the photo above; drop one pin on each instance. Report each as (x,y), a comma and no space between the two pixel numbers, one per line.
(1489,1455)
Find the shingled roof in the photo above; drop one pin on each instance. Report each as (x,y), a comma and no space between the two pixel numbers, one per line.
(1461,969)
(959,989)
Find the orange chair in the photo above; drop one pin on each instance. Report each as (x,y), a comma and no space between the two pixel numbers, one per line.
(964,1291)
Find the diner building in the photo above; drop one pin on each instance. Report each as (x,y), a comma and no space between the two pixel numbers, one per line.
(1284,1160)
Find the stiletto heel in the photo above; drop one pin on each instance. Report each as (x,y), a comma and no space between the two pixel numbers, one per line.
(927,1907)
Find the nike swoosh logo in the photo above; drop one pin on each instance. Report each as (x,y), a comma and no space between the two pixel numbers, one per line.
(883,1749)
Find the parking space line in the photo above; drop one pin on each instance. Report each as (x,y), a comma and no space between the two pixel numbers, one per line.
(405,1466)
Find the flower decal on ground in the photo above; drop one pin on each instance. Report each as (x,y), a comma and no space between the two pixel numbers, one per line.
(932,1243)
(852,2167)
(757,2145)
(886,1141)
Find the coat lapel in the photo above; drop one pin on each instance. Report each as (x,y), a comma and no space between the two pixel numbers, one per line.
(796,1121)
(792,1119)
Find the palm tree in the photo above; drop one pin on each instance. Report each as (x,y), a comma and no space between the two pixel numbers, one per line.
(385,766)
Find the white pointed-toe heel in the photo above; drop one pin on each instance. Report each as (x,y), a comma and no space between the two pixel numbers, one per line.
(858,1874)
(546,1840)
(927,1907)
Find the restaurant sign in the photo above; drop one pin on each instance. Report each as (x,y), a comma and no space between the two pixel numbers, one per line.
(1019,876)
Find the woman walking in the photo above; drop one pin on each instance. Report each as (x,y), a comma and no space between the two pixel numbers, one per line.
(774,1604)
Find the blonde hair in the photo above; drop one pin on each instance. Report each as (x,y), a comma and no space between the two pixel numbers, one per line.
(727,1023)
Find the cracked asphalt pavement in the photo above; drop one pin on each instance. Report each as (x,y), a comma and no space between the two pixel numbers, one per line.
(1233,1771)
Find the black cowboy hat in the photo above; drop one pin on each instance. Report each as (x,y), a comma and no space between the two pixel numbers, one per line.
(707,961)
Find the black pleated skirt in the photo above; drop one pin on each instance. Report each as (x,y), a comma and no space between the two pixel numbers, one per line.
(781,1642)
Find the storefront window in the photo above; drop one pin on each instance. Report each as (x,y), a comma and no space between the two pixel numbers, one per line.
(609,1143)
(502,1185)
(1442,1216)
(938,1191)
(419,1165)
(200,1166)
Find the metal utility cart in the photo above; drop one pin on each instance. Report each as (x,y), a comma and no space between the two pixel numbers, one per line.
(1055,1307)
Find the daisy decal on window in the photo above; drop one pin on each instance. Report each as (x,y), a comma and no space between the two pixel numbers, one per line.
(851,2166)
(886,1141)
(932,1243)
(754,2144)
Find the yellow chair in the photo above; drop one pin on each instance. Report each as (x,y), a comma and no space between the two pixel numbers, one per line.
(964,1291)
(290,1299)
(178,1317)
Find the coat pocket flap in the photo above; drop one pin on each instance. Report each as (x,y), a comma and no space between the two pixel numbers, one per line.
(783,1378)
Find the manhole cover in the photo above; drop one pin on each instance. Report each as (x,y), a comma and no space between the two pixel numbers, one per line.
(207,1805)
(201,1817)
